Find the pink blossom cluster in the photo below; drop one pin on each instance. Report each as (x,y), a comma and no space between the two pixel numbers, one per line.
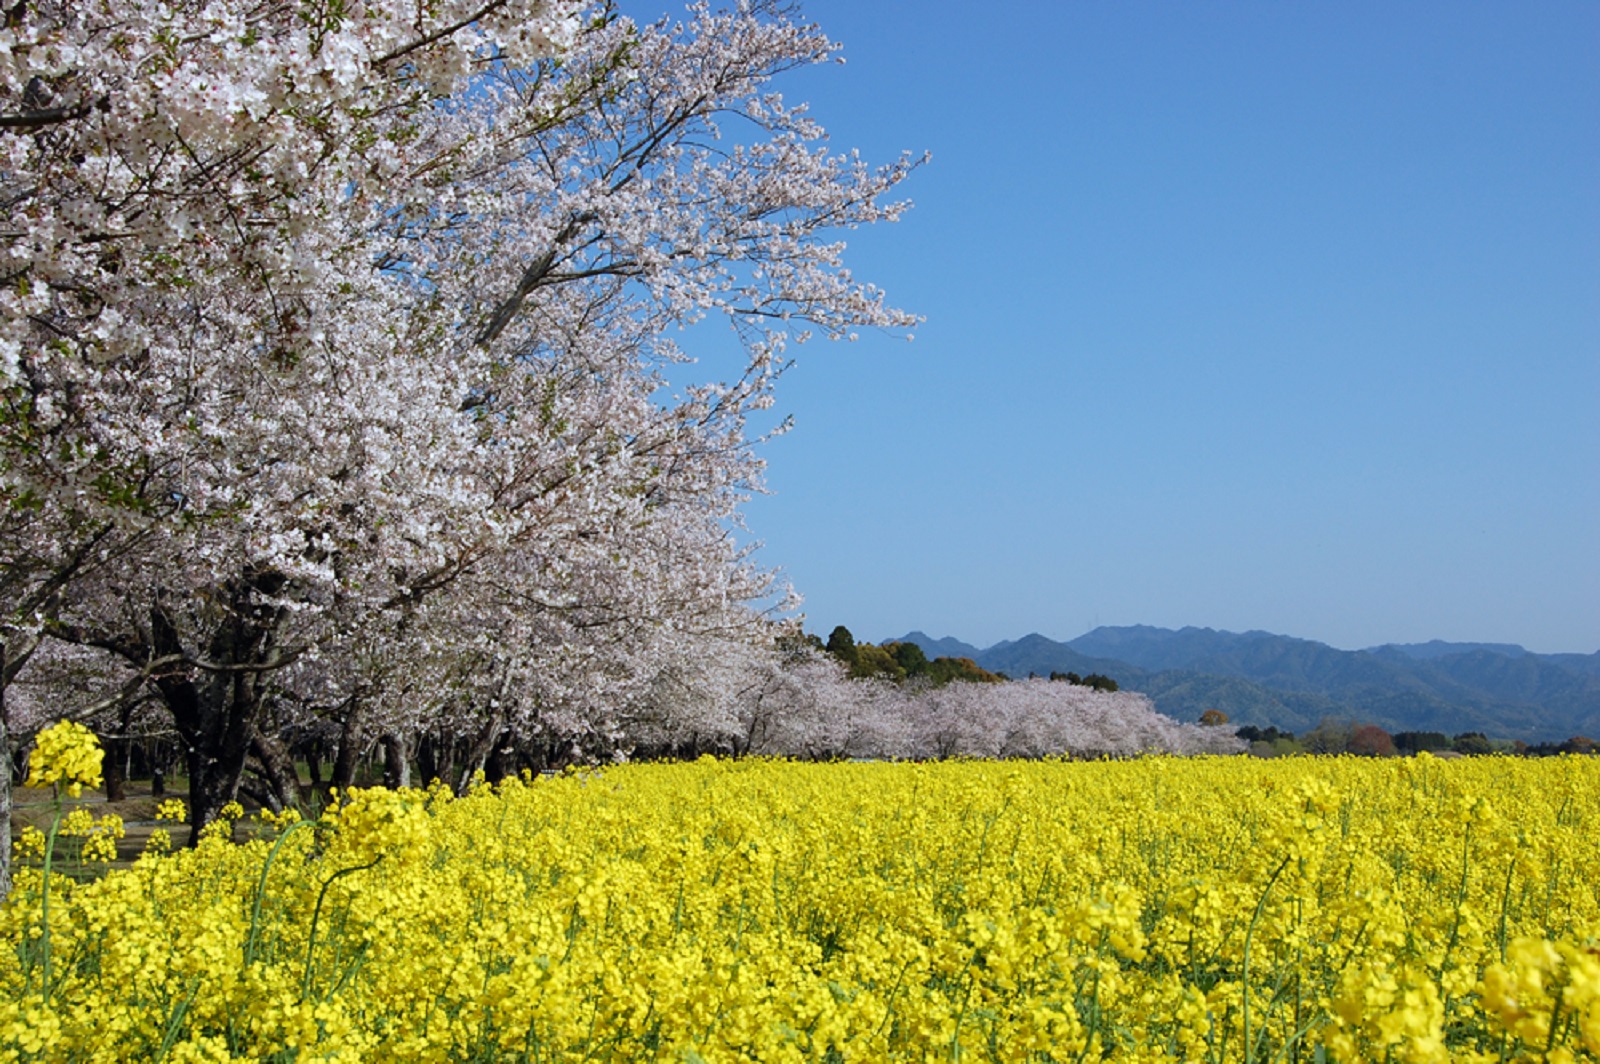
(807,706)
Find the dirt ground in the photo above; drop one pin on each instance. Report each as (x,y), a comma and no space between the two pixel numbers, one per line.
(36,808)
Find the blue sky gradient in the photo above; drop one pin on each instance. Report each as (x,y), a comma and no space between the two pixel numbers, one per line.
(1238,315)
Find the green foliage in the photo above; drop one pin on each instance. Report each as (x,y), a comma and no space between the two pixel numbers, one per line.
(901,662)
(909,656)
(1250,733)
(946,670)
(872,661)
(793,645)
(1410,742)
(842,645)
(1330,736)
(1095,680)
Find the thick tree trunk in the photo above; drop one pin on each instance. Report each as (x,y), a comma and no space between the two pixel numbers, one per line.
(352,745)
(14,654)
(119,755)
(112,769)
(277,768)
(313,752)
(434,760)
(501,761)
(215,706)
(210,788)
(478,752)
(396,762)
(5,779)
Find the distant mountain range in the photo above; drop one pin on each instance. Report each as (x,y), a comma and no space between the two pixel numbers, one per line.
(1260,678)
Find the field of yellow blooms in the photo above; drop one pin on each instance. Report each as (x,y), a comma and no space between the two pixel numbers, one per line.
(1203,910)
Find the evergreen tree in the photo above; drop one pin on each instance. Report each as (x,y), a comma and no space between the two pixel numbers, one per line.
(842,645)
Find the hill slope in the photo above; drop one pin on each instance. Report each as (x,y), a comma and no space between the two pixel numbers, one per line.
(1261,678)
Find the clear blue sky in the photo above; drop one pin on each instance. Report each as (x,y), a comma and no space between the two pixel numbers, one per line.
(1239,315)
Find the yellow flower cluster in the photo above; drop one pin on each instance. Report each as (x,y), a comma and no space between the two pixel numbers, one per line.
(99,834)
(1210,910)
(65,753)
(1541,981)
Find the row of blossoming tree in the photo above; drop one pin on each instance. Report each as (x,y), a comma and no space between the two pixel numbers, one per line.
(333,342)
(334,372)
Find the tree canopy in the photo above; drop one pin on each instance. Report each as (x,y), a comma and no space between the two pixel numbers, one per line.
(334,347)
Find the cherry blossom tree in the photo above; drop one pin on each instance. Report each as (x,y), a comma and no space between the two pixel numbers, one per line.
(333,349)
(177,175)
(809,707)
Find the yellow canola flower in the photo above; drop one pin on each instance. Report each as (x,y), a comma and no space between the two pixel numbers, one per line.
(280,821)
(1541,983)
(101,844)
(65,754)
(373,823)
(30,843)
(1146,910)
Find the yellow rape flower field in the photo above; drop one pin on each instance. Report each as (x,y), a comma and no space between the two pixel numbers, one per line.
(1223,909)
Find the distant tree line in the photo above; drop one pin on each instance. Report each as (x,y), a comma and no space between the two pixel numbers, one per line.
(901,662)
(1098,681)
(1332,736)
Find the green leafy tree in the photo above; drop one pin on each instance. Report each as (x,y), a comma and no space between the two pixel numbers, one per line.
(1330,736)
(842,645)
(874,660)
(949,670)
(1411,742)
(910,657)
(1095,680)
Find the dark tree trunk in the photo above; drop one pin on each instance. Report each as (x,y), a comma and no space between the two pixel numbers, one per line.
(501,761)
(5,777)
(215,705)
(436,758)
(15,650)
(478,752)
(427,763)
(112,769)
(258,792)
(277,768)
(119,755)
(313,752)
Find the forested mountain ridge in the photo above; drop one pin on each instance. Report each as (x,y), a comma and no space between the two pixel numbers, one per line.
(1265,679)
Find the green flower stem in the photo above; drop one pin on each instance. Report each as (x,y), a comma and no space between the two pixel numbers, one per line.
(44,908)
(261,890)
(316,915)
